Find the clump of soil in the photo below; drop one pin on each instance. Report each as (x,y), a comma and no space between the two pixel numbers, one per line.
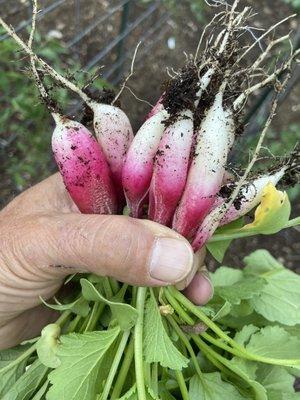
(180,92)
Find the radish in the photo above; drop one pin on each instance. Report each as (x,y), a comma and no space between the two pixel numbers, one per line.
(214,140)
(83,166)
(114,133)
(170,168)
(249,197)
(139,162)
(172,160)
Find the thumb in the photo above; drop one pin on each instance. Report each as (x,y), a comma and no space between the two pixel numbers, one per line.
(138,252)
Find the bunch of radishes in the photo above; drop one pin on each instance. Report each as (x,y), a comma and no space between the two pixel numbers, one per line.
(173,170)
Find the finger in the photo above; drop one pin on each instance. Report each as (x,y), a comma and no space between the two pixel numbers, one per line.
(200,290)
(198,263)
(134,251)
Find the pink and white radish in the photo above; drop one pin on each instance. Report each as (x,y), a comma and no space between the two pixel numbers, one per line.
(214,140)
(84,168)
(173,155)
(138,167)
(114,133)
(170,168)
(250,196)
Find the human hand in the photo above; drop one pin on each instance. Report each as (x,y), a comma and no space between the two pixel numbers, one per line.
(44,238)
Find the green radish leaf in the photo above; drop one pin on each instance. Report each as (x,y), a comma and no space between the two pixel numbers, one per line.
(226,276)
(247,367)
(218,249)
(275,378)
(79,306)
(242,290)
(232,286)
(11,374)
(217,309)
(238,322)
(243,309)
(275,342)
(76,378)
(26,386)
(95,278)
(243,336)
(158,347)
(293,330)
(274,395)
(47,346)
(125,314)
(243,371)
(222,312)
(260,262)
(212,387)
(279,299)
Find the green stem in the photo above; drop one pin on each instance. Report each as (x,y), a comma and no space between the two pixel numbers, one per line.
(114,285)
(177,307)
(238,233)
(147,374)
(107,288)
(235,234)
(73,324)
(190,321)
(241,351)
(187,344)
(217,364)
(138,343)
(248,355)
(215,356)
(115,365)
(208,350)
(63,318)
(210,355)
(182,385)
(22,357)
(200,314)
(60,321)
(123,372)
(94,316)
(121,292)
(292,222)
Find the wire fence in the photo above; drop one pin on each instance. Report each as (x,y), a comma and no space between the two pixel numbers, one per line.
(127,14)
(132,23)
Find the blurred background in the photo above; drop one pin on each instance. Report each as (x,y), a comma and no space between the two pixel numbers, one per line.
(82,38)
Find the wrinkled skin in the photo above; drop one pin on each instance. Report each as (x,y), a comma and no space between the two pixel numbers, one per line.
(44,238)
